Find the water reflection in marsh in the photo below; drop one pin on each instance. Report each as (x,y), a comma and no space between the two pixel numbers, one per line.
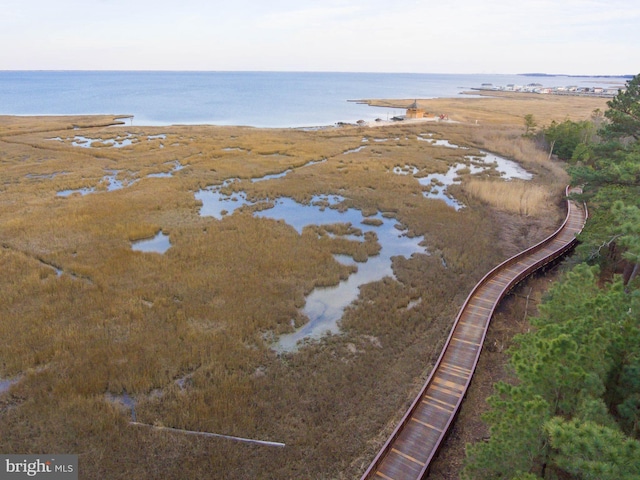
(324,306)
(119,179)
(158,244)
(355,150)
(177,166)
(82,191)
(118,142)
(437,183)
(109,182)
(440,142)
(508,169)
(6,384)
(123,401)
(286,172)
(217,204)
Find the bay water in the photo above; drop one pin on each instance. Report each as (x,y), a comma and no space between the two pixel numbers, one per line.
(259,99)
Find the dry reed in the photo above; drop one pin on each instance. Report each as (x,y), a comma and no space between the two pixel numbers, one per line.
(516,197)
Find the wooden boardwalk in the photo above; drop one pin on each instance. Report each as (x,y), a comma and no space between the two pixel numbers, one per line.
(412,446)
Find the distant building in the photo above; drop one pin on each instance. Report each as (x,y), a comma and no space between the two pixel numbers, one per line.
(560,90)
(414,111)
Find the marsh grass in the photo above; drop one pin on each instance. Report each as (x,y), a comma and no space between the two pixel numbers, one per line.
(516,196)
(118,320)
(505,108)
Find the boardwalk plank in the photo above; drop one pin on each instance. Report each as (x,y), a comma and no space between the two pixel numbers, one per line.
(413,444)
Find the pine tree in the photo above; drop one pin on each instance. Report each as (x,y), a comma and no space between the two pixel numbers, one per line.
(624,112)
(627,226)
(517,443)
(593,452)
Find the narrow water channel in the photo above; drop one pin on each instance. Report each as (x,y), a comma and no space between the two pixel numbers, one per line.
(324,306)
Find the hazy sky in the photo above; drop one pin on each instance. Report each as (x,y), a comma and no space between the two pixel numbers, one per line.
(446,36)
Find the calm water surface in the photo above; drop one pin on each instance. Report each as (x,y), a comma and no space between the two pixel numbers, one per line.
(261,99)
(158,244)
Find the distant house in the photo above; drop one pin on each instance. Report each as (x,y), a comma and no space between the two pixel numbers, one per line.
(414,111)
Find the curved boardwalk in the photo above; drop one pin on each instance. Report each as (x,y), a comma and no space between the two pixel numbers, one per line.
(408,452)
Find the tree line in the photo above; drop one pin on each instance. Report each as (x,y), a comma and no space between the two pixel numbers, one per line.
(574,411)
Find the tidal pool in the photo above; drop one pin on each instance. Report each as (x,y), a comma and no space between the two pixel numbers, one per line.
(82,191)
(110,180)
(118,142)
(177,166)
(216,204)
(438,182)
(158,244)
(113,183)
(286,172)
(508,169)
(324,306)
(354,150)
(438,143)
(123,401)
(6,384)
(59,271)
(86,142)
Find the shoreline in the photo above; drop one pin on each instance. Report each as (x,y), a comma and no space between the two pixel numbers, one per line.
(121,121)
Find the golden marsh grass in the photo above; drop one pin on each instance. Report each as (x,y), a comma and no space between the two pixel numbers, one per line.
(187,333)
(517,197)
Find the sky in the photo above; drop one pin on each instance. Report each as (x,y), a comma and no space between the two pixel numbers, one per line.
(576,37)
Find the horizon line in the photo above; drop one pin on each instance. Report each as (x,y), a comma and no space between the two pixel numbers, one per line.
(530,74)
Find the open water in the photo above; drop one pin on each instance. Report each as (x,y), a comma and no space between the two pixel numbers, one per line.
(260,99)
